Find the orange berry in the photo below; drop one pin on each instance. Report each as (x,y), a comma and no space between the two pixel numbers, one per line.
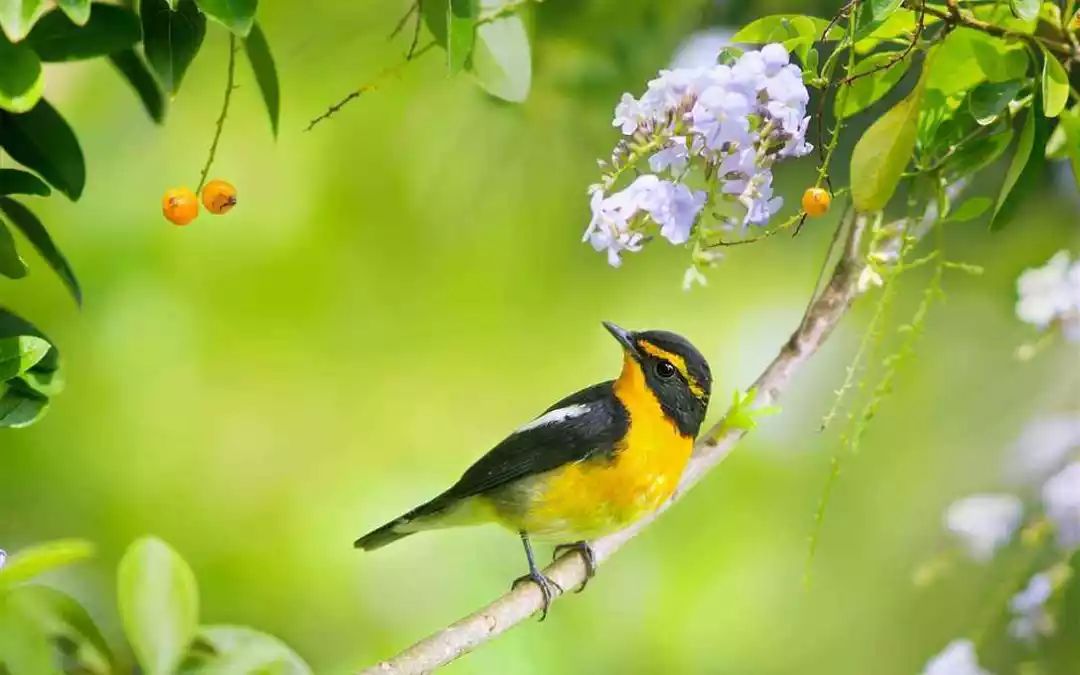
(815,202)
(218,196)
(179,206)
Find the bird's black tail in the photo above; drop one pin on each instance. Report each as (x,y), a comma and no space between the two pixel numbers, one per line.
(410,523)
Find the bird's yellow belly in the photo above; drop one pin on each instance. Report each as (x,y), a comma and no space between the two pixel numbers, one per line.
(594,497)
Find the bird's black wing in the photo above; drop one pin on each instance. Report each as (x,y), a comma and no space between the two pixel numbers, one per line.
(592,432)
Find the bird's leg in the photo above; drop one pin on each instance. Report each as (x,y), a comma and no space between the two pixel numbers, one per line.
(548,587)
(588,556)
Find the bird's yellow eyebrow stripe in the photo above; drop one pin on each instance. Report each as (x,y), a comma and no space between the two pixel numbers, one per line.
(675,360)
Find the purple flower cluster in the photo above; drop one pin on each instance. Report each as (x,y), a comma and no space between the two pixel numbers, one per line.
(723,127)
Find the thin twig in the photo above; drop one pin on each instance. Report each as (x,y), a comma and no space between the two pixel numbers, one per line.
(224,112)
(370,86)
(413,53)
(400,25)
(822,315)
(960,19)
(903,54)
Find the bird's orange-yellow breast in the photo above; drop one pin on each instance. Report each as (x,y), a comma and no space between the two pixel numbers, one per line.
(592,498)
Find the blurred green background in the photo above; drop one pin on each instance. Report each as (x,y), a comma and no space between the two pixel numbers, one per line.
(406,283)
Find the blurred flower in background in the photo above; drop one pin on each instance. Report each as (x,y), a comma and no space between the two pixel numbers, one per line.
(1051,295)
(984,523)
(958,658)
(1061,497)
(1030,618)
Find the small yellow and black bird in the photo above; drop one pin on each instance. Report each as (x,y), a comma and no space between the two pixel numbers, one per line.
(587,466)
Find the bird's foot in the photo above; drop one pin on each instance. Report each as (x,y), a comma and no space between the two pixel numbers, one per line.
(588,556)
(548,588)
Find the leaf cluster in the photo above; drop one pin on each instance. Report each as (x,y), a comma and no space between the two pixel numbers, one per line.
(44,631)
(151,46)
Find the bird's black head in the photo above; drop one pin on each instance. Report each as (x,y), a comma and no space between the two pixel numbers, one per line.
(672,369)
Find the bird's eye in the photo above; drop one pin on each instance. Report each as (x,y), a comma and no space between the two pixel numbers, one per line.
(665,369)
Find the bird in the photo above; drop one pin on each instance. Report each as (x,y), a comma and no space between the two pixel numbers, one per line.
(589,465)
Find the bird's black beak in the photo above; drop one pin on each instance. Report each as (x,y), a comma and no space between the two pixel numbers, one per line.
(625,337)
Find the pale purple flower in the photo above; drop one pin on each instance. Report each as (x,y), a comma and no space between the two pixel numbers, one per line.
(609,228)
(628,114)
(775,57)
(1030,619)
(721,117)
(675,208)
(983,523)
(1061,499)
(958,658)
(674,156)
(756,195)
(737,168)
(748,72)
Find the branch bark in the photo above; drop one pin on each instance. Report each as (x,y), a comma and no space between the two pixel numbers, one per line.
(822,314)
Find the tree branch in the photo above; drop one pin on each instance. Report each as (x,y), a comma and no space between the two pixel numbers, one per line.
(822,314)
(954,17)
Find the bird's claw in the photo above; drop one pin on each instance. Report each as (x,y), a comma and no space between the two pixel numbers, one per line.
(548,588)
(588,556)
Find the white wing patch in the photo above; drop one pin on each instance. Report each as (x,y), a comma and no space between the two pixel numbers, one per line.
(555,416)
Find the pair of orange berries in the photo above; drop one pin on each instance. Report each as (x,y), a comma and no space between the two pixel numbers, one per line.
(181,207)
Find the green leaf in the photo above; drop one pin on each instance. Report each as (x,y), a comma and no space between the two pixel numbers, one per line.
(502,60)
(976,156)
(461,33)
(868,89)
(781,27)
(61,618)
(881,9)
(434,13)
(989,100)
(968,57)
(21,77)
(1055,85)
(16,182)
(138,75)
(20,354)
(884,150)
(899,25)
(17,17)
(1070,123)
(999,61)
(110,29)
(239,651)
(25,649)
(33,230)
(1027,10)
(236,15)
(12,265)
(77,10)
(159,604)
(45,377)
(21,405)
(171,39)
(1016,166)
(42,141)
(971,209)
(37,560)
(262,63)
